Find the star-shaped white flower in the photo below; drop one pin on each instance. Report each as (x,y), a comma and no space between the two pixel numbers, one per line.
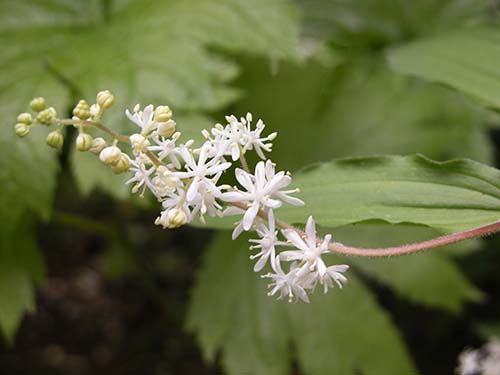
(166,147)
(252,139)
(308,251)
(203,170)
(287,284)
(143,119)
(142,176)
(263,190)
(267,242)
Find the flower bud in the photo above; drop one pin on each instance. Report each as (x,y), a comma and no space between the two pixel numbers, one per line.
(84,142)
(21,129)
(105,99)
(139,143)
(110,155)
(98,145)
(166,129)
(122,165)
(47,116)
(25,118)
(82,110)
(38,104)
(165,182)
(94,110)
(55,139)
(163,113)
(172,218)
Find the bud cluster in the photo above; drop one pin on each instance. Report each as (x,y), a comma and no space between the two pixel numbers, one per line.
(186,181)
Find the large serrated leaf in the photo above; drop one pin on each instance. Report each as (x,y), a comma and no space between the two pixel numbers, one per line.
(231,311)
(448,196)
(20,267)
(466,60)
(432,279)
(375,23)
(359,108)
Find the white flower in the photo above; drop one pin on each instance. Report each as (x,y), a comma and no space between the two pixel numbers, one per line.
(166,148)
(263,190)
(469,362)
(267,242)
(252,139)
(143,119)
(139,143)
(287,284)
(237,137)
(200,171)
(142,176)
(332,274)
(309,252)
(205,202)
(227,139)
(164,181)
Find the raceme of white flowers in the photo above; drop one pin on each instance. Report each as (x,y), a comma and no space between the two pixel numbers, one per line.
(186,181)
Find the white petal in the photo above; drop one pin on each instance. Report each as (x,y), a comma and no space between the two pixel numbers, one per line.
(237,231)
(193,189)
(234,196)
(311,229)
(293,236)
(233,211)
(250,216)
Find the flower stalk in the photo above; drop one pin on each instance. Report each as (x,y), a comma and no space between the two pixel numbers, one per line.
(185,180)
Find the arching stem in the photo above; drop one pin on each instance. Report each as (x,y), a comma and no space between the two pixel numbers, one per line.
(391,251)
(334,247)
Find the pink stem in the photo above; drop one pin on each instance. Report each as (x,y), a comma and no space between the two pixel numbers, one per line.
(392,251)
(416,247)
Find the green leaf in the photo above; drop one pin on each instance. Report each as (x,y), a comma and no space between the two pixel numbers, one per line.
(145,51)
(20,267)
(16,298)
(359,108)
(465,60)
(449,196)
(375,23)
(231,311)
(347,332)
(431,278)
(336,333)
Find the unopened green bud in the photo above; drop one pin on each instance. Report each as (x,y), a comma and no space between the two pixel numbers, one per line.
(163,113)
(38,104)
(110,155)
(22,129)
(47,116)
(84,142)
(166,129)
(25,118)
(98,145)
(105,99)
(122,165)
(82,110)
(55,139)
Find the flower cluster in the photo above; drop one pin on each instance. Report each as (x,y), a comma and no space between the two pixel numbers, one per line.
(186,180)
(483,361)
